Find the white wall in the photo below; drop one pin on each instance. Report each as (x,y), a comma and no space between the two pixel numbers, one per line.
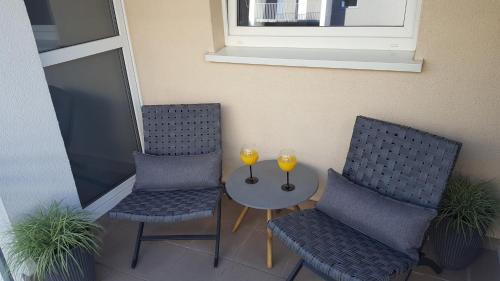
(313,110)
(34,168)
(4,224)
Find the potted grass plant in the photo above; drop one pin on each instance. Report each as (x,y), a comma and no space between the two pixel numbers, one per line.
(59,242)
(467,211)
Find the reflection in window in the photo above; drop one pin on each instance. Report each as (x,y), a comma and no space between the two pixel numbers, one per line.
(62,23)
(97,122)
(321,12)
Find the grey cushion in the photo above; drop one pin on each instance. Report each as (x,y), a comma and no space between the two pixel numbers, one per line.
(399,225)
(177,172)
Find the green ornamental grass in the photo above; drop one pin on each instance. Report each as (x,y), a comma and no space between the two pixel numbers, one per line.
(469,206)
(46,239)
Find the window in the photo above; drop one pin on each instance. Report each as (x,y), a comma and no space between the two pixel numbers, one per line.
(336,24)
(85,52)
(95,112)
(59,24)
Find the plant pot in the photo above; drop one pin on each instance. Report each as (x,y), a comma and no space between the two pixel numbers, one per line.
(82,270)
(452,249)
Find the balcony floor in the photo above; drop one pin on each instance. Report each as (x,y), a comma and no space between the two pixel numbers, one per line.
(242,254)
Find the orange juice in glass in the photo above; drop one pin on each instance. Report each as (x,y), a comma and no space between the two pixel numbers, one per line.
(287,162)
(249,156)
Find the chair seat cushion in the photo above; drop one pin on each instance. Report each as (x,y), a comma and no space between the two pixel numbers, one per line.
(164,172)
(167,206)
(337,250)
(399,225)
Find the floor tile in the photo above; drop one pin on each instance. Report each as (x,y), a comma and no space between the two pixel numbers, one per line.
(156,258)
(232,271)
(486,267)
(416,276)
(306,275)
(253,253)
(452,275)
(262,223)
(199,226)
(117,243)
(230,210)
(106,274)
(252,217)
(309,204)
(192,266)
(106,222)
(242,256)
(117,251)
(230,243)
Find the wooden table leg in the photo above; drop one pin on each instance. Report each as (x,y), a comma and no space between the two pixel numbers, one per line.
(240,218)
(269,242)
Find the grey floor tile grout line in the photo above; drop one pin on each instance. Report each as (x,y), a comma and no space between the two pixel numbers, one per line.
(432,277)
(228,258)
(271,274)
(239,261)
(114,269)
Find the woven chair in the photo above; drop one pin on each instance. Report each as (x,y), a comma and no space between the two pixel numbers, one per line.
(396,161)
(176,130)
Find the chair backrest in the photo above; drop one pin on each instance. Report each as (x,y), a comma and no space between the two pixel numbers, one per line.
(182,129)
(401,162)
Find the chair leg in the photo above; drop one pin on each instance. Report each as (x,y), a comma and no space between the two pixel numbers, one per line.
(137,246)
(225,191)
(430,263)
(295,270)
(217,235)
(408,275)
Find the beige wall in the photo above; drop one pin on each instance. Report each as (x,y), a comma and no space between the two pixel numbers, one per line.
(312,110)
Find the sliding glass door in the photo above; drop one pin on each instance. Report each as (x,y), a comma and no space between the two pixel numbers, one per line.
(84,49)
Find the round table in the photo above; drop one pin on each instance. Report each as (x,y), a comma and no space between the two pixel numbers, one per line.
(267,193)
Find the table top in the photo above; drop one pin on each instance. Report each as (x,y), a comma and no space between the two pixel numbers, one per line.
(267,192)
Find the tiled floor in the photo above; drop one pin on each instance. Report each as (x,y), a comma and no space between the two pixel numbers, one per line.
(242,254)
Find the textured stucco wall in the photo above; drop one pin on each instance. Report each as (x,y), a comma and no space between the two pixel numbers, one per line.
(34,169)
(312,110)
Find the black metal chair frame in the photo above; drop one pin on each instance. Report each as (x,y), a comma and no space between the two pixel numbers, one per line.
(184,129)
(216,237)
(423,260)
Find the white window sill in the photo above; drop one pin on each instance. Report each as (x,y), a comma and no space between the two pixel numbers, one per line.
(322,58)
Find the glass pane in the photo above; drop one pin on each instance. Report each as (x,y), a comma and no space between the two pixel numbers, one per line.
(368,13)
(95,113)
(62,23)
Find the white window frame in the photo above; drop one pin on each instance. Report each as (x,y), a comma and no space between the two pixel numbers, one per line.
(119,42)
(375,38)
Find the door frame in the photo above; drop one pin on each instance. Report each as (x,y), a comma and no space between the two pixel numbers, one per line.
(120,42)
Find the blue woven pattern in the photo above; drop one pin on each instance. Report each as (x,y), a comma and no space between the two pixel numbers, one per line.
(337,250)
(167,206)
(182,129)
(400,162)
(187,129)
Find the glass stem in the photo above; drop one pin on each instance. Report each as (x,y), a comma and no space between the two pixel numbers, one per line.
(251,175)
(287,178)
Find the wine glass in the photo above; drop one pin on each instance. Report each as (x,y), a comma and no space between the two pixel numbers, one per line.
(249,156)
(287,162)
